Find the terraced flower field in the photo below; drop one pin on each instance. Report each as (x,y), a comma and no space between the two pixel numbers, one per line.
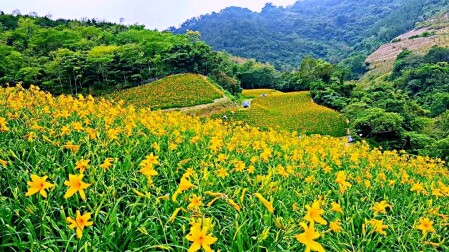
(291,111)
(183,90)
(79,174)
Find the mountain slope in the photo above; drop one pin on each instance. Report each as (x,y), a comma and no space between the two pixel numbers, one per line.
(403,101)
(432,32)
(327,29)
(176,91)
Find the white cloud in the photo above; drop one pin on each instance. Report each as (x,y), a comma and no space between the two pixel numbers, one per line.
(158,14)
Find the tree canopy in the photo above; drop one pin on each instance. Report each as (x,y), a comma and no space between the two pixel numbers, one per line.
(71,56)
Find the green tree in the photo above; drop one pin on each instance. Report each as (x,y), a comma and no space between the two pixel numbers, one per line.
(12,61)
(383,127)
(131,63)
(29,74)
(256,75)
(101,57)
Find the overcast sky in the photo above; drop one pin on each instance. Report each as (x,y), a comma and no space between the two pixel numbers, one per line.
(159,14)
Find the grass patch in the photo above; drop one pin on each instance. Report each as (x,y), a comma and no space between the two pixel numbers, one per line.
(177,91)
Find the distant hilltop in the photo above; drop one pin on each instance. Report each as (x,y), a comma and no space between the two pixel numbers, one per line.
(331,30)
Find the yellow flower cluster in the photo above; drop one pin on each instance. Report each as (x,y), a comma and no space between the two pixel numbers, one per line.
(183,90)
(3,126)
(155,180)
(291,111)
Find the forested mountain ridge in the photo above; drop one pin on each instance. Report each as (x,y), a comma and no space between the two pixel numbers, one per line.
(330,29)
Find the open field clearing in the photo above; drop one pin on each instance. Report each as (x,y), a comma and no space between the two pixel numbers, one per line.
(183,90)
(84,174)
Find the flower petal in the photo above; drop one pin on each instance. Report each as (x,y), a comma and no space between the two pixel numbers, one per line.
(43,193)
(209,240)
(207,248)
(316,246)
(48,185)
(70,192)
(82,194)
(72,223)
(87,216)
(189,237)
(31,191)
(79,233)
(194,247)
(84,185)
(35,178)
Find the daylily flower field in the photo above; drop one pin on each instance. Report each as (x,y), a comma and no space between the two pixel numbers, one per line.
(291,111)
(182,90)
(85,174)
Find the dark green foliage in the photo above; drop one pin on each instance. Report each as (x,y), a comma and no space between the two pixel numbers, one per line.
(379,125)
(291,81)
(405,59)
(311,70)
(425,78)
(440,149)
(403,17)
(228,83)
(441,133)
(89,56)
(329,95)
(423,35)
(418,143)
(410,60)
(437,54)
(410,112)
(191,58)
(385,115)
(355,110)
(256,75)
(356,65)
(442,125)
(439,104)
(328,29)
(312,74)
(326,83)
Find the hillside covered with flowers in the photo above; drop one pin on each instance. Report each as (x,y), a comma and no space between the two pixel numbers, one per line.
(79,173)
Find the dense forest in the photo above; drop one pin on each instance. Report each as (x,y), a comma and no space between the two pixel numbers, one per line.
(331,30)
(89,56)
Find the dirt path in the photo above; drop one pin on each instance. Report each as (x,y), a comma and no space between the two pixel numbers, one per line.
(216,102)
(348,130)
